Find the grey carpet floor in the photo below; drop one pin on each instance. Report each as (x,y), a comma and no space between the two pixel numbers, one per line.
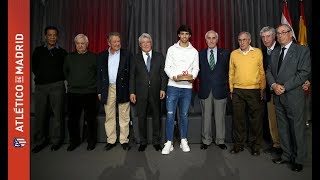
(197,164)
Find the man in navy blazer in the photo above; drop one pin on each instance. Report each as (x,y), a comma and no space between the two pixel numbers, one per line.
(148,83)
(213,92)
(113,89)
(289,69)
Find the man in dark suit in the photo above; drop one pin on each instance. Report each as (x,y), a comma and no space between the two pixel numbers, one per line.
(213,76)
(113,89)
(268,37)
(148,83)
(290,67)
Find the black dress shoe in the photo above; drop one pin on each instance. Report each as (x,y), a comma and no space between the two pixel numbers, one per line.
(73,146)
(273,150)
(91,147)
(157,147)
(125,146)
(204,146)
(279,161)
(278,151)
(236,149)
(255,151)
(109,146)
(55,147)
(222,146)
(39,147)
(297,167)
(142,147)
(269,150)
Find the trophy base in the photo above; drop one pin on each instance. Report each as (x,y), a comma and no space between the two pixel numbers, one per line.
(185,77)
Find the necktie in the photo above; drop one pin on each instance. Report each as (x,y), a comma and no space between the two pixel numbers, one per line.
(148,62)
(269,51)
(281,58)
(212,63)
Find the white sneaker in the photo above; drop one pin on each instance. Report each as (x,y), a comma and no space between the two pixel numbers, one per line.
(168,147)
(184,145)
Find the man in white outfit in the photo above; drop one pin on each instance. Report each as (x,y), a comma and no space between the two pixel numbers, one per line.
(182,58)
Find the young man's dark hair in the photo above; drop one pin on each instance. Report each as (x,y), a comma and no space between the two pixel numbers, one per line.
(185,28)
(51,28)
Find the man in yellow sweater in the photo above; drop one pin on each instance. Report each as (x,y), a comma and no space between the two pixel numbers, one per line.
(247,83)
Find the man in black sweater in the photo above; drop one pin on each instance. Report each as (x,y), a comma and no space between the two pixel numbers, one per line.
(80,70)
(47,66)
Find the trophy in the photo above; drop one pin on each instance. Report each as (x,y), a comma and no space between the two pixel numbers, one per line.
(185,76)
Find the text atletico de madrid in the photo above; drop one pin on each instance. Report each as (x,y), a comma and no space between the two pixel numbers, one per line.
(19,81)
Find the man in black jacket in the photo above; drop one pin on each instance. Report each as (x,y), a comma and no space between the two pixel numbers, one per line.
(113,89)
(47,66)
(80,69)
(270,127)
(148,83)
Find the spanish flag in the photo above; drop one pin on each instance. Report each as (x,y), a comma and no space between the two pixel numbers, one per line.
(302,38)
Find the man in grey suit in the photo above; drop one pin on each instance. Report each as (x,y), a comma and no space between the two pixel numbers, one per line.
(213,76)
(290,67)
(148,83)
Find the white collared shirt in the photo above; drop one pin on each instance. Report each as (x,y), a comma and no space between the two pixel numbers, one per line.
(246,52)
(145,57)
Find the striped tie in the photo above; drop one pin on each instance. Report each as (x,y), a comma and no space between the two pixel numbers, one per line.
(212,63)
(148,62)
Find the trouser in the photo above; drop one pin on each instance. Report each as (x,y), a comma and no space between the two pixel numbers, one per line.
(110,122)
(49,112)
(218,106)
(175,96)
(152,105)
(274,131)
(76,104)
(242,99)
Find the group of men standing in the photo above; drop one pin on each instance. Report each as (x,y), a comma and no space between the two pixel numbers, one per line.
(277,75)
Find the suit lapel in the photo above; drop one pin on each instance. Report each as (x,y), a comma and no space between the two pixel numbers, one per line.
(219,55)
(142,62)
(275,55)
(286,59)
(122,61)
(204,56)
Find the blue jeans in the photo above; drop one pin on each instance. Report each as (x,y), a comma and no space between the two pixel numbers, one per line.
(183,97)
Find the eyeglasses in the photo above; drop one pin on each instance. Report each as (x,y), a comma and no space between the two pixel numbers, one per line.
(282,33)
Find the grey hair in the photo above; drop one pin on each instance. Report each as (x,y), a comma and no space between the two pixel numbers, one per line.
(268,29)
(286,25)
(113,34)
(211,31)
(81,36)
(245,32)
(145,35)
